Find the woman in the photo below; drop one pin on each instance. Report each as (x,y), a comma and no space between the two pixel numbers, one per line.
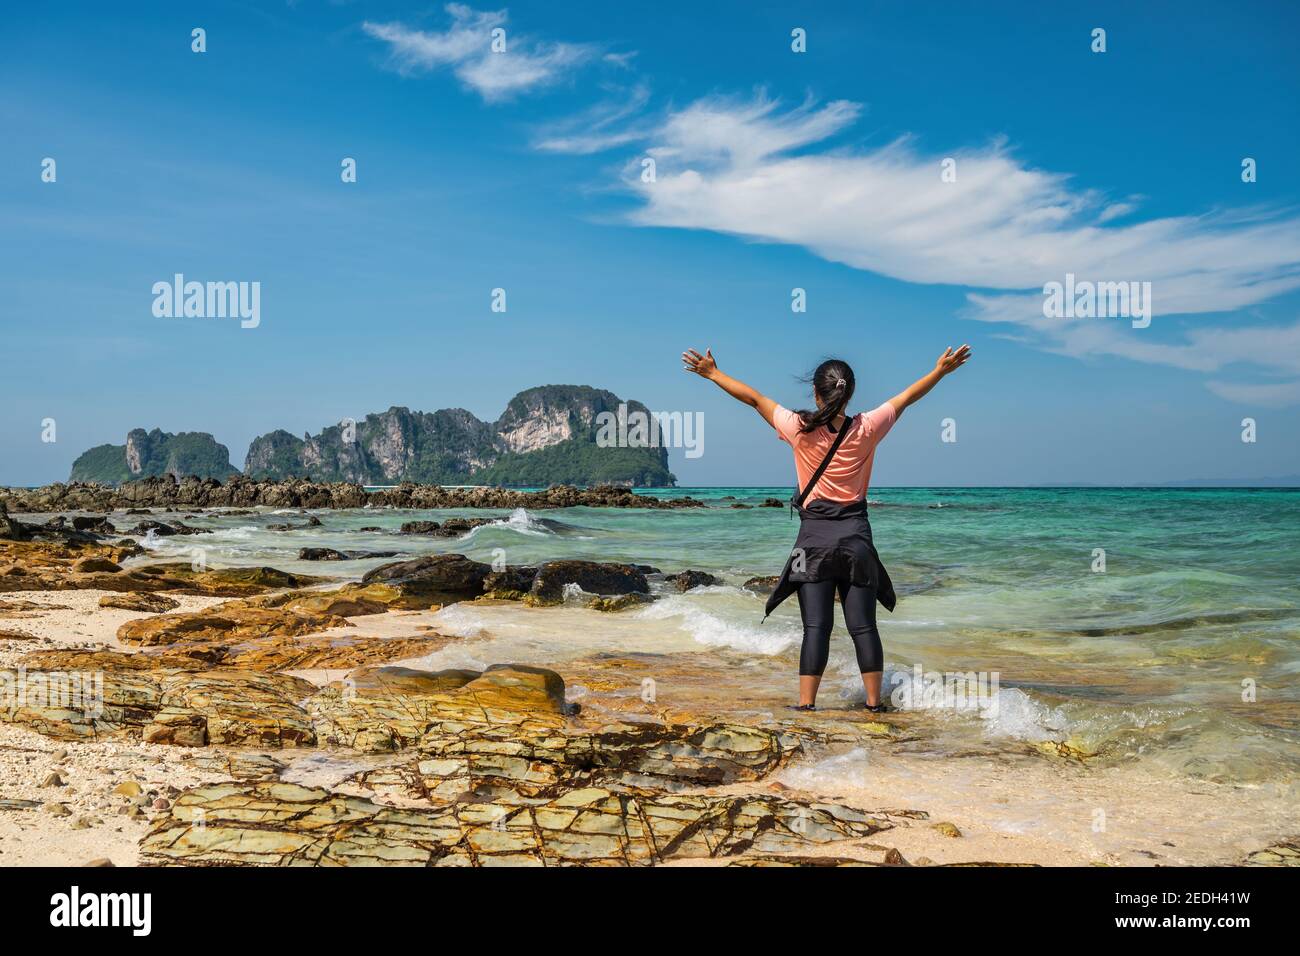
(834,551)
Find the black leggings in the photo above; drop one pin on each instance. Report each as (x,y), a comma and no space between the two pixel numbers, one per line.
(817,606)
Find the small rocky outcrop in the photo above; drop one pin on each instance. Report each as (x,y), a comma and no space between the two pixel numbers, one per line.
(72,565)
(285,615)
(593,577)
(451,528)
(139,601)
(512,582)
(686,580)
(433,579)
(330,554)
(191,492)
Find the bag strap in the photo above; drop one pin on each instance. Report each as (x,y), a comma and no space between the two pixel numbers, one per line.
(835,446)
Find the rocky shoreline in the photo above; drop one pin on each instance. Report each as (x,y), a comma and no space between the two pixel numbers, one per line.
(219,686)
(193,493)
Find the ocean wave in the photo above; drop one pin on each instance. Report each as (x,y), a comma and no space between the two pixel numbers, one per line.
(712,630)
(523,522)
(1005,712)
(458,621)
(830,774)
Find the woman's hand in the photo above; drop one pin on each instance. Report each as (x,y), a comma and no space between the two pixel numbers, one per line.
(946,364)
(702,365)
(705,367)
(950,361)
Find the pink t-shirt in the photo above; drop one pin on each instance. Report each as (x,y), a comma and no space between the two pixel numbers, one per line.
(847,476)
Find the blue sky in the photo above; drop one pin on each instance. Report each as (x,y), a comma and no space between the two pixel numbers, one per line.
(775,170)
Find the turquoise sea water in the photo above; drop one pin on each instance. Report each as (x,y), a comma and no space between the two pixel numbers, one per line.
(1184,652)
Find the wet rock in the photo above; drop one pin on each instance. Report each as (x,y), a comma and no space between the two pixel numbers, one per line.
(330,554)
(512,581)
(455,527)
(434,579)
(688,579)
(419,527)
(161,529)
(772,503)
(321,554)
(593,577)
(762,585)
(96,523)
(288,825)
(311,522)
(139,601)
(620,602)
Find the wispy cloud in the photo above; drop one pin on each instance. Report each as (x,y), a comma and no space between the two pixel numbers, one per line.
(466,48)
(753,169)
(607,125)
(1274,394)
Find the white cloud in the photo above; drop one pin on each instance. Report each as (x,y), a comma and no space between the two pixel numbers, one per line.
(466,49)
(1273,395)
(745,168)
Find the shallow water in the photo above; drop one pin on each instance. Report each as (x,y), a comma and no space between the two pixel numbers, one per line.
(1151,661)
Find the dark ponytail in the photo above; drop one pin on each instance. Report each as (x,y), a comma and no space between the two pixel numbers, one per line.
(833,383)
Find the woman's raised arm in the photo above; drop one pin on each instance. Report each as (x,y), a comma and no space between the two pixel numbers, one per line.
(946,364)
(705,367)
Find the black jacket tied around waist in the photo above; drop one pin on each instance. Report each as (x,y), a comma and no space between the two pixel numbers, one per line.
(834,544)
